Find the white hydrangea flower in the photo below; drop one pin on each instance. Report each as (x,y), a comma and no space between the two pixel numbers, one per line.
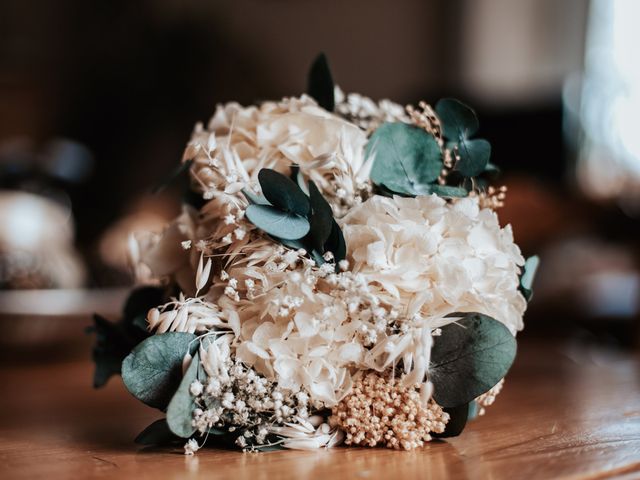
(240,141)
(434,258)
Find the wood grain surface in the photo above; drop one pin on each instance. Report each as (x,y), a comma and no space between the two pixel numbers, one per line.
(566,412)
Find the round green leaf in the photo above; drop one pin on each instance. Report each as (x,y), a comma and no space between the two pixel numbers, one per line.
(286,225)
(474,157)
(180,410)
(469,358)
(404,157)
(457,119)
(153,370)
(282,192)
(254,198)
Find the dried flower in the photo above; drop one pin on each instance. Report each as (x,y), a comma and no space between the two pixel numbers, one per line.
(382,411)
(434,258)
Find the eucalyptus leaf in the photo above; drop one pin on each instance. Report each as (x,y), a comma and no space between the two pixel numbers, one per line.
(275,222)
(469,358)
(457,119)
(282,192)
(295,244)
(112,345)
(140,322)
(153,370)
(528,275)
(180,410)
(474,156)
(301,182)
(297,177)
(317,257)
(442,190)
(404,157)
(336,244)
(321,221)
(158,433)
(473,410)
(254,198)
(492,168)
(320,83)
(458,417)
(217,431)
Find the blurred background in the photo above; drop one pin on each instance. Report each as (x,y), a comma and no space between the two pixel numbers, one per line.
(97,101)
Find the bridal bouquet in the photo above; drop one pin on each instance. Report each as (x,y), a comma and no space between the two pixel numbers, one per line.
(338,275)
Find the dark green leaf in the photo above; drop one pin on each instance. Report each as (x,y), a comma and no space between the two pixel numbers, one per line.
(474,157)
(528,275)
(141,300)
(458,417)
(114,341)
(134,314)
(288,226)
(140,322)
(320,83)
(295,244)
(177,172)
(282,192)
(153,370)
(442,190)
(473,410)
(157,433)
(180,410)
(112,345)
(218,431)
(469,358)
(254,198)
(336,244)
(321,221)
(317,257)
(301,182)
(491,168)
(405,157)
(457,119)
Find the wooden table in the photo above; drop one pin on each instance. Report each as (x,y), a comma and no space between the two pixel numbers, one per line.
(565,412)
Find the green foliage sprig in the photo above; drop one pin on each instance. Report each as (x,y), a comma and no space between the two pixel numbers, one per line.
(114,341)
(294,218)
(469,358)
(459,122)
(407,160)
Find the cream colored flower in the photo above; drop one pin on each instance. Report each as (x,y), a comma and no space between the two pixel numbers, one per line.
(434,258)
(239,142)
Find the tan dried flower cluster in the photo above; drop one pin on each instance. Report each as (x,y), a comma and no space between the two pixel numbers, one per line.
(493,198)
(382,411)
(365,112)
(425,117)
